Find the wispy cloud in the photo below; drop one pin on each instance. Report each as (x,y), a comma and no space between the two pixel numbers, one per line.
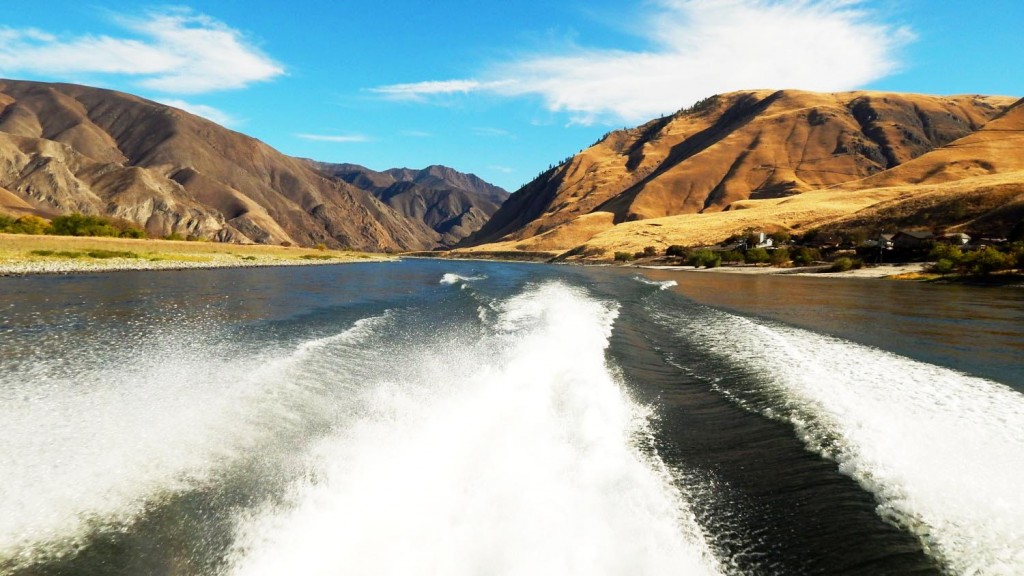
(496,132)
(338,138)
(419,90)
(502,169)
(174,51)
(416,134)
(209,112)
(699,48)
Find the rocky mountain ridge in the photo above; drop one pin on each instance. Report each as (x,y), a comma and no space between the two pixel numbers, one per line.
(451,203)
(760,149)
(68,148)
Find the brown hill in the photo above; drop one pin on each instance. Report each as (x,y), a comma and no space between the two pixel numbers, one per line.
(785,159)
(70,148)
(997,148)
(974,184)
(451,203)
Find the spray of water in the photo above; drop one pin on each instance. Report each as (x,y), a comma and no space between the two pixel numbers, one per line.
(942,451)
(92,448)
(451,278)
(518,453)
(514,452)
(661,284)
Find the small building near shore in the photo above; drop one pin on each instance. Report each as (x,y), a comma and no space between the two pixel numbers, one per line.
(825,241)
(958,239)
(912,240)
(733,247)
(758,240)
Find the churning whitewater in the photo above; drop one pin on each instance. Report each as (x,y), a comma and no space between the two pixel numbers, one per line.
(91,451)
(943,452)
(517,454)
(497,441)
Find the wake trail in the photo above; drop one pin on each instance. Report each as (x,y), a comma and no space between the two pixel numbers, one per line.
(517,453)
(942,451)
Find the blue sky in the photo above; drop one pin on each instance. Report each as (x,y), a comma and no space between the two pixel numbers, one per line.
(499,89)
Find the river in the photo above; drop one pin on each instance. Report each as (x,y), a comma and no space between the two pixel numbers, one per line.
(437,417)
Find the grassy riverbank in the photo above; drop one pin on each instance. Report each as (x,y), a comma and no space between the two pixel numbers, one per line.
(24,254)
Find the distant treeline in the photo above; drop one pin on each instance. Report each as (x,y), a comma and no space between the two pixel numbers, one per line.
(839,251)
(71,225)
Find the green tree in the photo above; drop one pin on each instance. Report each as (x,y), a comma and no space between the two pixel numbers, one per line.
(1017,254)
(705,258)
(756,256)
(946,252)
(843,264)
(778,257)
(677,251)
(30,225)
(806,256)
(81,225)
(990,260)
(731,256)
(78,224)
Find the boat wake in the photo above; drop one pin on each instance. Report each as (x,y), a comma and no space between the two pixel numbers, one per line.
(943,452)
(425,439)
(518,453)
(93,450)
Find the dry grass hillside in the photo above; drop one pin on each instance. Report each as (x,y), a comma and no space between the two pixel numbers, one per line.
(66,148)
(777,160)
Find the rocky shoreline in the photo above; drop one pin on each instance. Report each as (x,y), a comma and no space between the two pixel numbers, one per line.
(875,271)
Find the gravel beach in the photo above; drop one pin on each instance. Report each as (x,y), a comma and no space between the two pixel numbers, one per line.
(85,266)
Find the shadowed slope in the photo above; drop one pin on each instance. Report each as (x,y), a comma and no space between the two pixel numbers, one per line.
(74,148)
(452,204)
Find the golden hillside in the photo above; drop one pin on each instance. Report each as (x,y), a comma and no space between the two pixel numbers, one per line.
(777,160)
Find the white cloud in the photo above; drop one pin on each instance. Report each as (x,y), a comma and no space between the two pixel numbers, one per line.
(417,90)
(337,138)
(700,48)
(502,169)
(177,51)
(209,112)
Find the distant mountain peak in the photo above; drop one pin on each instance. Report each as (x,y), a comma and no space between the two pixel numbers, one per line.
(452,203)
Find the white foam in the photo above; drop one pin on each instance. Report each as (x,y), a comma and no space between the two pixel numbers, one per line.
(662,284)
(942,451)
(96,447)
(450,278)
(517,455)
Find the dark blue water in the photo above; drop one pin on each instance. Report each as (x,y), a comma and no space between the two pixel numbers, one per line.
(431,417)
